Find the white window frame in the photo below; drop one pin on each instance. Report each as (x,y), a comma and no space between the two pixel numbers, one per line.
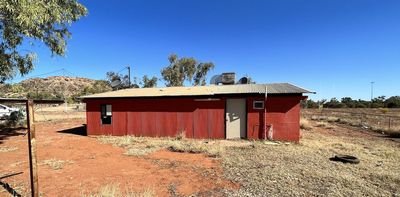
(108,113)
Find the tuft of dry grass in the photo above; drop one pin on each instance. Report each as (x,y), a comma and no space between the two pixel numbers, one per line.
(324,125)
(55,164)
(197,147)
(115,191)
(181,135)
(140,146)
(5,149)
(321,124)
(305,124)
(140,151)
(332,119)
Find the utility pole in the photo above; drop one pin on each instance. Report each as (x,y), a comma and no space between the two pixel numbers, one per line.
(129,75)
(372,92)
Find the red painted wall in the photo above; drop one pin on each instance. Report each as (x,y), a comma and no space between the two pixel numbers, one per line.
(283,114)
(198,119)
(159,117)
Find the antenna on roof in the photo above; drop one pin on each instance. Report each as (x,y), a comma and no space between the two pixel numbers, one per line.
(129,75)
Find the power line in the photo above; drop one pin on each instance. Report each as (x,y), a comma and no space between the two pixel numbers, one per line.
(122,70)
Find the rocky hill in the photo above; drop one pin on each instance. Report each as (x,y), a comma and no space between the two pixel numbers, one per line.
(54,87)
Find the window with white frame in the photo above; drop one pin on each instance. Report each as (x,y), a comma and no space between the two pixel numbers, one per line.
(106,114)
(258,104)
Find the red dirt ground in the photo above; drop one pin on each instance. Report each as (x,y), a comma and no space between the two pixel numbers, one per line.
(94,165)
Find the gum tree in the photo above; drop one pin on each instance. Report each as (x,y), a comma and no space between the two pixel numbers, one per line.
(23,21)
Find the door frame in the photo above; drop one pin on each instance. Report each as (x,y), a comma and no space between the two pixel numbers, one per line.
(245,115)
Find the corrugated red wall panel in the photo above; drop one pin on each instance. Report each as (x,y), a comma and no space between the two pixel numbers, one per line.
(159,117)
(283,113)
(134,123)
(119,126)
(185,123)
(197,118)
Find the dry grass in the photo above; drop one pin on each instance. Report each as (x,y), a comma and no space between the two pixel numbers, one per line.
(55,164)
(321,124)
(6,149)
(140,146)
(378,120)
(197,147)
(115,191)
(140,151)
(305,169)
(181,135)
(17,164)
(332,119)
(305,124)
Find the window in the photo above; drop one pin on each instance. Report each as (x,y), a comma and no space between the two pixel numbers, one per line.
(258,104)
(106,114)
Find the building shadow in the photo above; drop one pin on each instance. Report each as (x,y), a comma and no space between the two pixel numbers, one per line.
(6,133)
(81,130)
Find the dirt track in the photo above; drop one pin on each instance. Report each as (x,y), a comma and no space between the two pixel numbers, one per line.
(90,165)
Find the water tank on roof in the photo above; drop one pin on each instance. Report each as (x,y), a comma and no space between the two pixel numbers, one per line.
(243,80)
(228,78)
(216,80)
(115,83)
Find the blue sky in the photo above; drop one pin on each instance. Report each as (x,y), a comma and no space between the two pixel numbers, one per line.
(333,47)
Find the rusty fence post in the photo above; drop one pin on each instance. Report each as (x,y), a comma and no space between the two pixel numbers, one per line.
(32,149)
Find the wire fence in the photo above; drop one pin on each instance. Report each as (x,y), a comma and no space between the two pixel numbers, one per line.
(373,121)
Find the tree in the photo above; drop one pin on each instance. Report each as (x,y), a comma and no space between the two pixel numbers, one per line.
(378,102)
(149,82)
(98,86)
(124,80)
(312,104)
(40,20)
(393,102)
(185,69)
(201,72)
(350,103)
(334,103)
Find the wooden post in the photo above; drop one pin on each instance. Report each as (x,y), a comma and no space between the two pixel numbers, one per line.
(32,149)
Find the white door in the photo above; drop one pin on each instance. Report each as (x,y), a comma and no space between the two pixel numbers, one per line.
(235,118)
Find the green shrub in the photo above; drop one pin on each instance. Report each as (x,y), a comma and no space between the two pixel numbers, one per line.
(16,118)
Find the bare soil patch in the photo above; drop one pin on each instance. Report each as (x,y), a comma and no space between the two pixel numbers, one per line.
(76,165)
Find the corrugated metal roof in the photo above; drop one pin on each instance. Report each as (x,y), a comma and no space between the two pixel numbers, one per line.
(273,88)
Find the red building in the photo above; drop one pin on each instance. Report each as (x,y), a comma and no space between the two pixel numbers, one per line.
(215,112)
